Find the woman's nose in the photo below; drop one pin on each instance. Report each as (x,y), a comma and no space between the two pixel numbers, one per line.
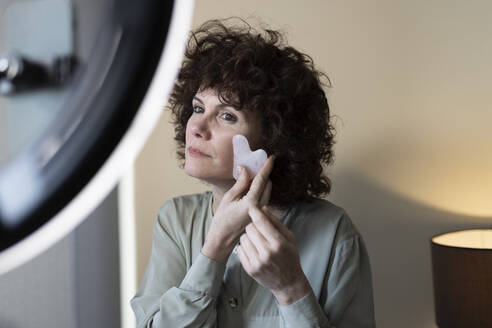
(200,128)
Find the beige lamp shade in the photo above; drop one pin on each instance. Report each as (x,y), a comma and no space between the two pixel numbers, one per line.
(462,275)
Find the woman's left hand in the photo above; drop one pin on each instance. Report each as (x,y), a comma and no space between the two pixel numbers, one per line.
(268,253)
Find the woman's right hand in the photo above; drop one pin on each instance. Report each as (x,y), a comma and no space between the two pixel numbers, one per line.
(231,217)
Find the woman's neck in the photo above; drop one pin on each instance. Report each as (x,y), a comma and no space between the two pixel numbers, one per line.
(218,194)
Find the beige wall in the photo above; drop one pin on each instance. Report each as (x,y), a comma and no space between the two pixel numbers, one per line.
(411,85)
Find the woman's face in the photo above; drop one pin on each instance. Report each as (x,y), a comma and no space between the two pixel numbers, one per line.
(209,154)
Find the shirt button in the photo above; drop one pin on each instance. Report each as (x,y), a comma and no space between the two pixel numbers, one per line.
(233,302)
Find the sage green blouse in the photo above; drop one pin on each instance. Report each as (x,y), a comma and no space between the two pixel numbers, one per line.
(184,288)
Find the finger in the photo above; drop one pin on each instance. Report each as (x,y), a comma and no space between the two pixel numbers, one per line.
(243,257)
(260,180)
(265,197)
(250,250)
(257,239)
(265,226)
(248,246)
(241,185)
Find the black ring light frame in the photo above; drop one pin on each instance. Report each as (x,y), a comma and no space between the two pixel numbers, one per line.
(131,70)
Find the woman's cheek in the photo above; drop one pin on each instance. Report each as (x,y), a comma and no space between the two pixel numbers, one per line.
(228,153)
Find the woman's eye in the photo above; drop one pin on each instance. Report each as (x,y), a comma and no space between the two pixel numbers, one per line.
(229,117)
(197,109)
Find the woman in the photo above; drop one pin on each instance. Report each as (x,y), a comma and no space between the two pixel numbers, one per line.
(298,259)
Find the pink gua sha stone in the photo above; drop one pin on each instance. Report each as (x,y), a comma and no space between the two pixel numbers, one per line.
(243,156)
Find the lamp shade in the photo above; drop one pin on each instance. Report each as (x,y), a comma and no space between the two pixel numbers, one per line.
(462,275)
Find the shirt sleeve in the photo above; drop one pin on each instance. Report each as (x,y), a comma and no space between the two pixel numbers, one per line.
(171,296)
(348,301)
(304,313)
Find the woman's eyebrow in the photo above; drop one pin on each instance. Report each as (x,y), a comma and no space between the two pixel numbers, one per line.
(227,105)
(198,99)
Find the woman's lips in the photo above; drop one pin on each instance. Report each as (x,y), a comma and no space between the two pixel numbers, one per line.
(196,153)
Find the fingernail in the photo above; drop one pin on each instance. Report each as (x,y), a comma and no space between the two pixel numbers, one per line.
(240,169)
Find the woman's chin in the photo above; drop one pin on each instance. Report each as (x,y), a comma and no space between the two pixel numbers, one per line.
(213,179)
(193,173)
(198,173)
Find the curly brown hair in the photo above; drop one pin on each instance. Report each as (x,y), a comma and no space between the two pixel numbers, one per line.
(258,71)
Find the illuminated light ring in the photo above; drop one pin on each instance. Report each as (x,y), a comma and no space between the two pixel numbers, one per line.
(121,158)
